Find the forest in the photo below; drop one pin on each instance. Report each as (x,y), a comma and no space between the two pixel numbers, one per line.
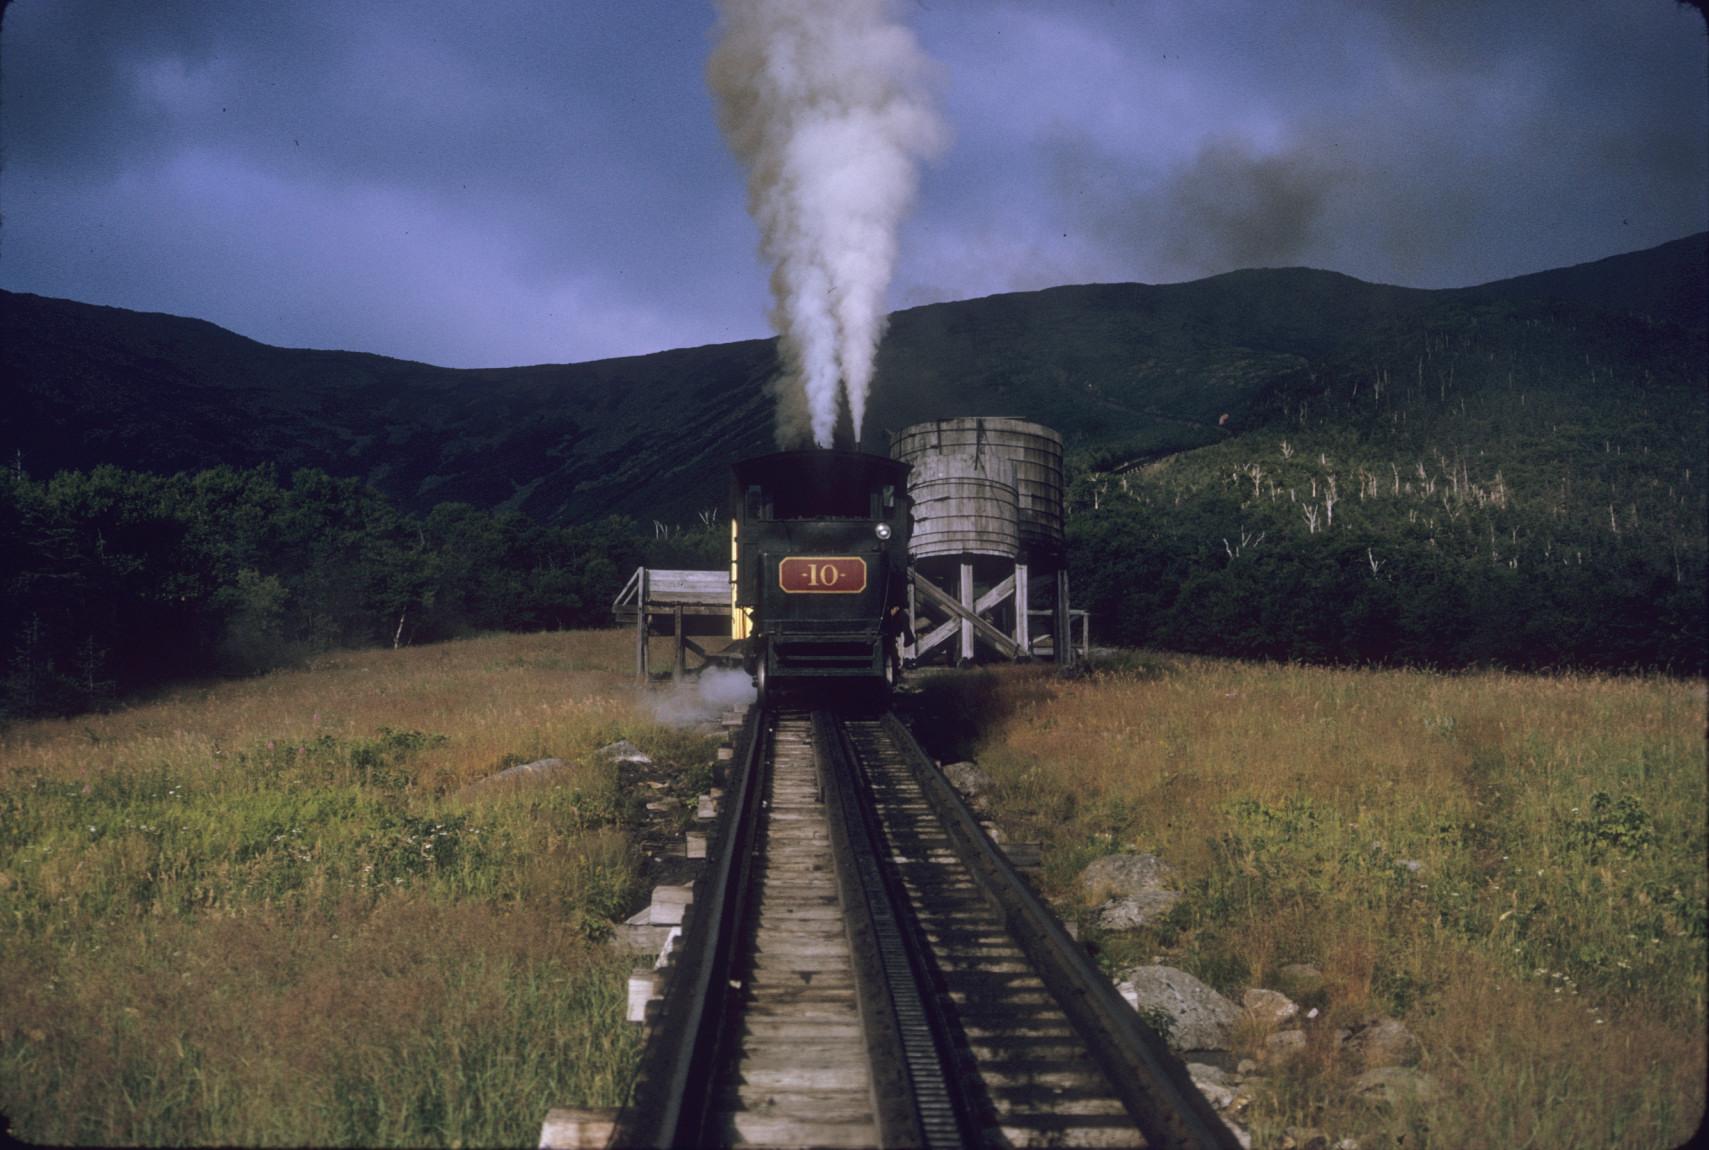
(1278,464)
(1478,492)
(113,582)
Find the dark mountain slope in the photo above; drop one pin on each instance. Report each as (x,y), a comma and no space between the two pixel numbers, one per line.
(1127,372)
(1666,284)
(89,385)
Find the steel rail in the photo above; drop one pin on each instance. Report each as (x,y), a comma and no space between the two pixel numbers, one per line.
(909,1042)
(1150,1081)
(919,1095)
(672,1102)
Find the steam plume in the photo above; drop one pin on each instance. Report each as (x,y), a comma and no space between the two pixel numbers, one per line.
(825,101)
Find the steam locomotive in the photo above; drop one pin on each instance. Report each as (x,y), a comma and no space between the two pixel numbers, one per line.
(819,560)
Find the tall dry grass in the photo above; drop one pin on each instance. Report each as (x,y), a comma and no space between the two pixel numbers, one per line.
(1513,865)
(276,912)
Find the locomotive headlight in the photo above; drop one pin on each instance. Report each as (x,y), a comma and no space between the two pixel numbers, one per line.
(882,530)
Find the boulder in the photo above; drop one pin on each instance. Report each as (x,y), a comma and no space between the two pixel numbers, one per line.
(1378,1041)
(1194,1016)
(1220,1097)
(973,783)
(1300,981)
(1395,1084)
(1128,889)
(1202,1072)
(1125,874)
(1134,911)
(1269,1007)
(1284,1046)
(623,751)
(539,768)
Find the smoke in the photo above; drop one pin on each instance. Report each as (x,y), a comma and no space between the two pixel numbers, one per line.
(1236,207)
(702,698)
(826,103)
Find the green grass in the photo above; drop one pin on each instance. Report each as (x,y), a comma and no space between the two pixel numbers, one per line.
(1512,865)
(277,912)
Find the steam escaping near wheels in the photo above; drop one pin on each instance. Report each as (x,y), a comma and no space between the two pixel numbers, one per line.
(826,103)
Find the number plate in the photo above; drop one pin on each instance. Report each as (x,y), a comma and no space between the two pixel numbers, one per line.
(822,574)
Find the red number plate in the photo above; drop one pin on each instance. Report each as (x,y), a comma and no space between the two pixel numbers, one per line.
(822,575)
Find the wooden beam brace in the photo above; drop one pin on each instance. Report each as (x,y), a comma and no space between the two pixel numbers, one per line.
(945,602)
(995,596)
(943,632)
(936,637)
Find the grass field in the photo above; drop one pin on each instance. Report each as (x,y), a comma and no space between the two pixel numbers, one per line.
(272,912)
(1512,865)
(275,912)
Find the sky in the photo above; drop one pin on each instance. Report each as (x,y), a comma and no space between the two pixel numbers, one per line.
(503,182)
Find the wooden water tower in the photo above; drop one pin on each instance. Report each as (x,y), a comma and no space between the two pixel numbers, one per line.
(987,542)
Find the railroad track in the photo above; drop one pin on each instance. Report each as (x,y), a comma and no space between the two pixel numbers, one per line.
(863,968)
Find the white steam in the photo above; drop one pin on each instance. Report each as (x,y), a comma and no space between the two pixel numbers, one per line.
(826,103)
(702,698)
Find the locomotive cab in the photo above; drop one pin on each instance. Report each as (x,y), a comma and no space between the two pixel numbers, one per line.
(820,557)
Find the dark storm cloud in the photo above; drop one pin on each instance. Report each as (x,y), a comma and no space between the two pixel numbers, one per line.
(1430,143)
(1247,208)
(528,181)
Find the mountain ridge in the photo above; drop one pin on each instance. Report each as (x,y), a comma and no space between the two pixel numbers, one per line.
(1139,370)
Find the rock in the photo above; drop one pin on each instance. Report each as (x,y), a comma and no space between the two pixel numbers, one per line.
(1194,1016)
(1134,911)
(1204,1072)
(1395,1084)
(973,783)
(1241,1134)
(1284,1046)
(1300,981)
(1304,1138)
(623,751)
(539,768)
(1246,1066)
(1125,874)
(1378,1042)
(1269,1007)
(1130,890)
(1220,1097)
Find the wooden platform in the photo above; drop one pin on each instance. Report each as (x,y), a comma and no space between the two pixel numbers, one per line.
(691,607)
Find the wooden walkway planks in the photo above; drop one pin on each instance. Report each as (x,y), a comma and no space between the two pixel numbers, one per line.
(800,1076)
